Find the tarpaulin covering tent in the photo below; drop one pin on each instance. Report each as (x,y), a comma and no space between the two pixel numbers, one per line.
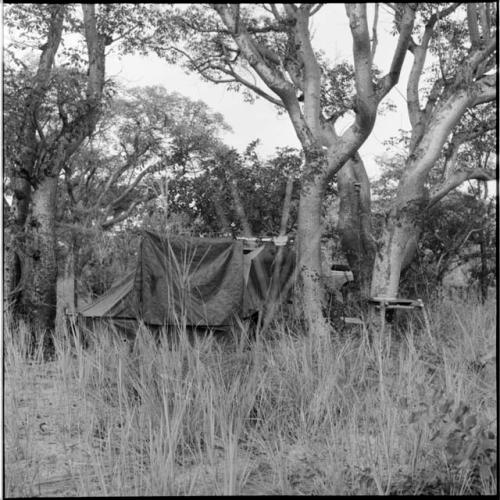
(204,281)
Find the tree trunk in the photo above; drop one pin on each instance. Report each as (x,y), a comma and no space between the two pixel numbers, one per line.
(66,289)
(25,155)
(398,243)
(483,274)
(354,223)
(396,250)
(11,269)
(311,290)
(13,245)
(39,296)
(403,226)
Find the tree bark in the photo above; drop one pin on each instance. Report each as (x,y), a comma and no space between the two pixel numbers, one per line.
(14,218)
(397,246)
(39,295)
(309,229)
(395,251)
(354,225)
(483,273)
(25,157)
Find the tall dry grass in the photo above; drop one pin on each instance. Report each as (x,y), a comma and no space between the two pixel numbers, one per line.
(413,412)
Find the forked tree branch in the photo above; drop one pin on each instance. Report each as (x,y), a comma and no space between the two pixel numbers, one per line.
(271,74)
(253,52)
(135,182)
(84,124)
(472,22)
(477,60)
(404,39)
(239,79)
(366,99)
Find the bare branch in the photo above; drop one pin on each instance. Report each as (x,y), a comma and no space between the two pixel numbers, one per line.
(312,71)
(272,75)
(238,78)
(40,132)
(419,53)
(217,80)
(374,31)
(481,56)
(433,97)
(121,217)
(95,47)
(486,88)
(405,30)
(457,178)
(275,12)
(472,22)
(49,50)
(90,175)
(133,185)
(205,65)
(448,10)
(252,51)
(361,50)
(315,9)
(123,35)
(84,124)
(240,210)
(485,20)
(132,159)
(62,113)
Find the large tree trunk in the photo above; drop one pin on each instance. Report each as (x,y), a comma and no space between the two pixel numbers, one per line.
(25,155)
(398,244)
(396,250)
(403,225)
(39,295)
(354,223)
(309,229)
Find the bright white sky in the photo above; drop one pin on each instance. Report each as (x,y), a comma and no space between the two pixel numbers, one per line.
(260,120)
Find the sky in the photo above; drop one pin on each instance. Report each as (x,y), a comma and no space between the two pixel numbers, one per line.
(260,120)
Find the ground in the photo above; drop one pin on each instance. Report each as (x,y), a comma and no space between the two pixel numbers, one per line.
(43,455)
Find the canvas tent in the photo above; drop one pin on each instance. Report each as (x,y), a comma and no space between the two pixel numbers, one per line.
(207,281)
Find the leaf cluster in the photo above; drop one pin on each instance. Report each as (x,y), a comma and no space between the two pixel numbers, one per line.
(260,185)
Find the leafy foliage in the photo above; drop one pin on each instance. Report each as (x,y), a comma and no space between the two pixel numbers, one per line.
(146,134)
(260,186)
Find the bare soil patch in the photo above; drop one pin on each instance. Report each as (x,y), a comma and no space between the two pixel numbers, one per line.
(46,451)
